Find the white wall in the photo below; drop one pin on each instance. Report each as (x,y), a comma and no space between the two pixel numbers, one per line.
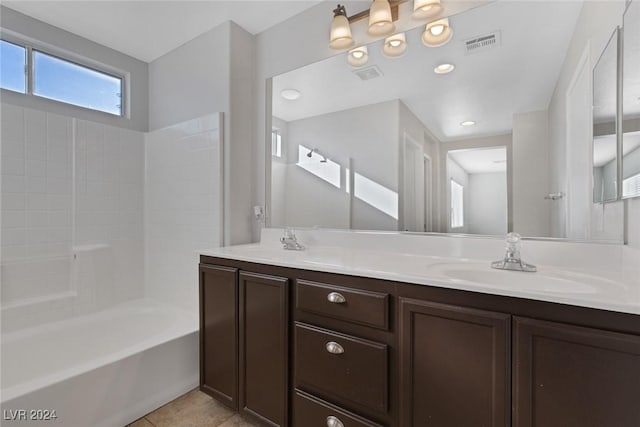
(488,203)
(13,22)
(530,154)
(366,135)
(214,73)
(71,216)
(183,206)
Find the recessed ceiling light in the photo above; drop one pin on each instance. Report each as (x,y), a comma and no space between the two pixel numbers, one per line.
(444,68)
(468,123)
(290,94)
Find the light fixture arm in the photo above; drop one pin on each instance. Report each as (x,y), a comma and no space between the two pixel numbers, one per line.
(395,4)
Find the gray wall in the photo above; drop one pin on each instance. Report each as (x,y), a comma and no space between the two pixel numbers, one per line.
(214,73)
(72,45)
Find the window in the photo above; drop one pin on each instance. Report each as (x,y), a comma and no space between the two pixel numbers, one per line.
(12,67)
(64,81)
(31,71)
(457,205)
(276,143)
(631,186)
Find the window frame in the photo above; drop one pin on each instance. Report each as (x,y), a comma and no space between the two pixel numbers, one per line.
(277,133)
(32,45)
(462,221)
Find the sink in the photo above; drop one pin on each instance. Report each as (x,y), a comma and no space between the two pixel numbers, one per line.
(544,281)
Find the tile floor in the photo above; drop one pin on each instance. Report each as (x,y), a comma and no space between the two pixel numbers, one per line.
(194,409)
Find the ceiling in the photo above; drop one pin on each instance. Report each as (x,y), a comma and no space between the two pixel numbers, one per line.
(481,160)
(489,86)
(147,30)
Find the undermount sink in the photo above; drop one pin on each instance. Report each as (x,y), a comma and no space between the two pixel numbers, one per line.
(549,281)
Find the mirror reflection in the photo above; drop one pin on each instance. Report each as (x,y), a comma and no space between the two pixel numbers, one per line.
(605,144)
(631,103)
(373,145)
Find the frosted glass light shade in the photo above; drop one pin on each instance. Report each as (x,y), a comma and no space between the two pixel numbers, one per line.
(395,45)
(341,37)
(380,20)
(426,8)
(437,33)
(358,57)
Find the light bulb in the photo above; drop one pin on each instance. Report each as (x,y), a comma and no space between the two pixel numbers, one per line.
(436,30)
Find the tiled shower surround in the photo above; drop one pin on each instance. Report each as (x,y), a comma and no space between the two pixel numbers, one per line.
(72,215)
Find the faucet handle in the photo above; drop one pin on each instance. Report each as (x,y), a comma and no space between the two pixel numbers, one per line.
(513,241)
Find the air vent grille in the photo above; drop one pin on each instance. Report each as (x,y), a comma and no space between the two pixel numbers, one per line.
(484,42)
(368,73)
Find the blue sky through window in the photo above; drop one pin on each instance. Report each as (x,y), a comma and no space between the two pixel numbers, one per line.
(12,62)
(57,79)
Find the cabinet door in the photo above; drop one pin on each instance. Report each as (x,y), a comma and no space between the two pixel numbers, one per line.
(567,376)
(264,336)
(455,365)
(219,333)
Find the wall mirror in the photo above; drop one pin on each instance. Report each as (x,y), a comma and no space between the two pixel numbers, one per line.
(605,107)
(631,102)
(375,146)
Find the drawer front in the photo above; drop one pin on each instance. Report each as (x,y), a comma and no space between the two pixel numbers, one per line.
(353,305)
(341,365)
(309,411)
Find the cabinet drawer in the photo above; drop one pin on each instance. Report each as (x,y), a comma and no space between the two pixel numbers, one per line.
(354,305)
(342,366)
(310,411)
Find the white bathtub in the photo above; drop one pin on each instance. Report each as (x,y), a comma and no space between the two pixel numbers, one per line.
(100,370)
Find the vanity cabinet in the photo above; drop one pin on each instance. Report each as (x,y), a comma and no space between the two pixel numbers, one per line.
(314,349)
(244,341)
(566,375)
(219,333)
(455,365)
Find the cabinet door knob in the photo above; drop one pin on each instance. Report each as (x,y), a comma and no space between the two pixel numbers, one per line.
(334,422)
(334,348)
(336,298)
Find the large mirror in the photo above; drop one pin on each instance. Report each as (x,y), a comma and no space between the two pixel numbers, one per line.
(631,102)
(500,143)
(605,107)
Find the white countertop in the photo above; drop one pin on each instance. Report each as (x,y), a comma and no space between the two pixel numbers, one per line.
(611,287)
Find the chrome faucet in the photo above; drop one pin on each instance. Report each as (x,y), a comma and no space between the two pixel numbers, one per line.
(512,260)
(290,242)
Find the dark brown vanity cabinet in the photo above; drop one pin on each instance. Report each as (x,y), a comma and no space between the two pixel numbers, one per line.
(567,375)
(312,349)
(219,333)
(244,341)
(454,364)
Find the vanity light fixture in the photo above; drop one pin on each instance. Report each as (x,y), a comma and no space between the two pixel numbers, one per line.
(395,45)
(290,94)
(467,123)
(341,37)
(437,33)
(426,8)
(380,18)
(358,57)
(444,68)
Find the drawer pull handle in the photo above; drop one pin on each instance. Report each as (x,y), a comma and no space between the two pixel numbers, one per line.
(334,348)
(336,298)
(334,422)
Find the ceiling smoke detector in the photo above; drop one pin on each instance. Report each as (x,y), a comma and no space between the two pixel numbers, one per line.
(481,43)
(368,73)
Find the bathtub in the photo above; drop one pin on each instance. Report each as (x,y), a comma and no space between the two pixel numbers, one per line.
(104,369)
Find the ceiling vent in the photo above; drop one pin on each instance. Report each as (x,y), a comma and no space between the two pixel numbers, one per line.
(368,73)
(480,43)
